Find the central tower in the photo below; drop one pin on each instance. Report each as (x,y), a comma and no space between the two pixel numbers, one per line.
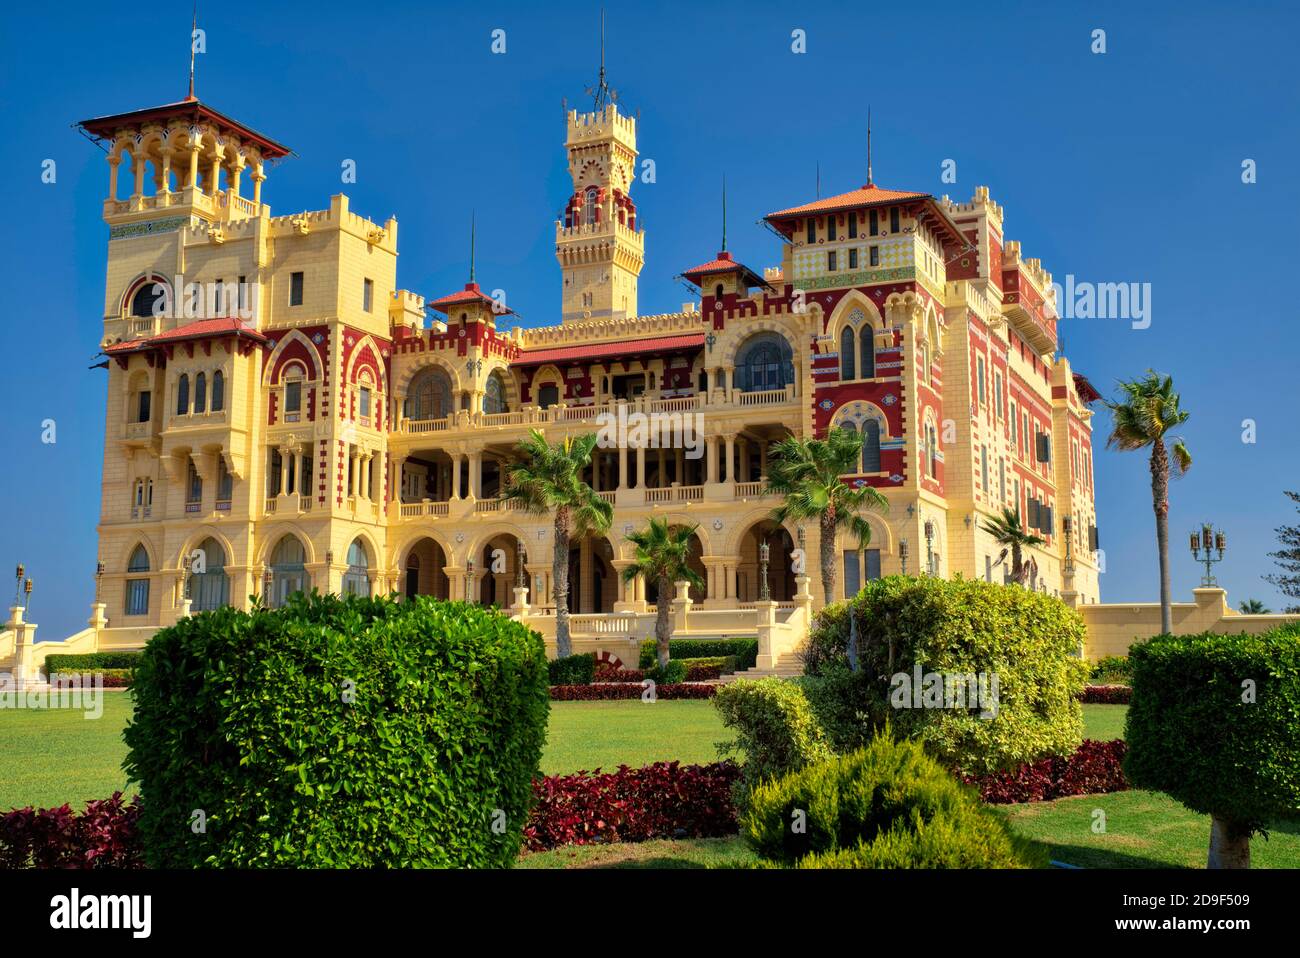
(599,247)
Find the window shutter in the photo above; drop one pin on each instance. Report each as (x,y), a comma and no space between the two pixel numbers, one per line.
(1033,514)
(1044,447)
(1092,538)
(1048,525)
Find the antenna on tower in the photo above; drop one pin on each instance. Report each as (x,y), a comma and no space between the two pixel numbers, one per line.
(472,231)
(601,92)
(194,25)
(870,181)
(724,212)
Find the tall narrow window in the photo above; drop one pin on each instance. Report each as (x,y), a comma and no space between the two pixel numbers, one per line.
(304,476)
(848,368)
(812,230)
(853,257)
(367,295)
(143,413)
(218,391)
(867,367)
(363,402)
(874,256)
(894,225)
(293,395)
(830,262)
(871,446)
(984,470)
(201,393)
(853,226)
(273,470)
(589,206)
(225,484)
(852,573)
(979,379)
(873,564)
(193,489)
(831,233)
(137,590)
(873,224)
(295,289)
(183,395)
(997,393)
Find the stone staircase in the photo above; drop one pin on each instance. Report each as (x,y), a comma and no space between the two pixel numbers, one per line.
(788,666)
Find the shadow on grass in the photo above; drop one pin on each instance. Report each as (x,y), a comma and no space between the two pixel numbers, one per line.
(1084,856)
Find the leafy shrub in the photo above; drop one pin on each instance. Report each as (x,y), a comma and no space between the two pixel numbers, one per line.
(744,650)
(1106,695)
(725,664)
(103,836)
(1094,768)
(775,730)
(886,805)
(612,673)
(629,690)
(1215,723)
(703,673)
(338,732)
(936,628)
(91,662)
(577,669)
(670,674)
(1111,670)
(663,800)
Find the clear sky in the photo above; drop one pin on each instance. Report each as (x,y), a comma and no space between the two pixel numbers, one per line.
(1124,166)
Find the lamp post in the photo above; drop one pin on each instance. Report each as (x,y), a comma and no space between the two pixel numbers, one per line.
(764,553)
(520,559)
(1208,540)
(18,584)
(267,579)
(1067,526)
(469,579)
(99,578)
(929,546)
(27,603)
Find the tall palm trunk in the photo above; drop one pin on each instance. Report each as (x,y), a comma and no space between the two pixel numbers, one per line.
(1017,563)
(663,620)
(1229,844)
(1160,500)
(560,583)
(828,555)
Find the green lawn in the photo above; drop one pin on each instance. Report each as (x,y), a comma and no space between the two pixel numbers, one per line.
(51,757)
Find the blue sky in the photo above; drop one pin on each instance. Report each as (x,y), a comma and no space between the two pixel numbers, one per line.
(1116,167)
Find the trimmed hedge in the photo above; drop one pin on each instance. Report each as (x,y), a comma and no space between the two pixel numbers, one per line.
(1094,768)
(663,800)
(888,805)
(745,651)
(775,730)
(597,692)
(1106,695)
(1215,723)
(1028,641)
(338,732)
(91,662)
(671,674)
(577,669)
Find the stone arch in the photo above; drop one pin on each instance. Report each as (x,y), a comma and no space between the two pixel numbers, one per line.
(545,375)
(403,382)
(366,344)
(740,526)
(858,410)
(400,548)
(144,279)
(853,300)
(481,538)
(149,548)
(882,535)
(278,358)
(752,329)
(196,538)
(625,550)
(277,531)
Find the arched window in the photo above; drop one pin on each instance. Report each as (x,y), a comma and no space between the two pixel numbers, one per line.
(356,581)
(871,445)
(210,589)
(847,351)
(548,395)
(288,571)
(137,590)
(193,488)
(146,299)
(201,393)
(589,206)
(429,396)
(765,361)
(867,367)
(925,364)
(932,451)
(494,394)
(218,391)
(183,395)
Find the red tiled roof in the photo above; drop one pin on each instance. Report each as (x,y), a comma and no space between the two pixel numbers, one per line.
(105,126)
(470,294)
(565,354)
(199,329)
(723,264)
(869,195)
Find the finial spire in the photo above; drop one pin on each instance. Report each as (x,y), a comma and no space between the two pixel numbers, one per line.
(472,230)
(602,94)
(194,25)
(724,212)
(870,181)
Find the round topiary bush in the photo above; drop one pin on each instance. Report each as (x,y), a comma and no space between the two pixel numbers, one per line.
(986,676)
(888,805)
(338,732)
(1215,723)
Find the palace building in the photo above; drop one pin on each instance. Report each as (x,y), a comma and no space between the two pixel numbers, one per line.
(282,415)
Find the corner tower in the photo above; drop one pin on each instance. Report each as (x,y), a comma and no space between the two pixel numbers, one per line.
(599,247)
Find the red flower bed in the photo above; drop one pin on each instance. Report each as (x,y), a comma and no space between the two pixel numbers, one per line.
(663,800)
(1093,768)
(1106,695)
(612,673)
(629,690)
(103,836)
(703,673)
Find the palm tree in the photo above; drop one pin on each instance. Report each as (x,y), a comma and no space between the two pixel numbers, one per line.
(1254,607)
(1144,415)
(662,557)
(807,472)
(1007,531)
(549,481)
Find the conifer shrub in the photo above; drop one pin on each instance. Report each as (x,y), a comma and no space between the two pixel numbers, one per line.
(338,733)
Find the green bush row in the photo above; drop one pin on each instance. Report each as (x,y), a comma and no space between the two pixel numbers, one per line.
(91,662)
(745,651)
(577,669)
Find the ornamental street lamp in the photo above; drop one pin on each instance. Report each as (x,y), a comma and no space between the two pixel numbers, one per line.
(18,584)
(929,546)
(267,579)
(469,579)
(1208,540)
(99,578)
(27,604)
(764,553)
(520,559)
